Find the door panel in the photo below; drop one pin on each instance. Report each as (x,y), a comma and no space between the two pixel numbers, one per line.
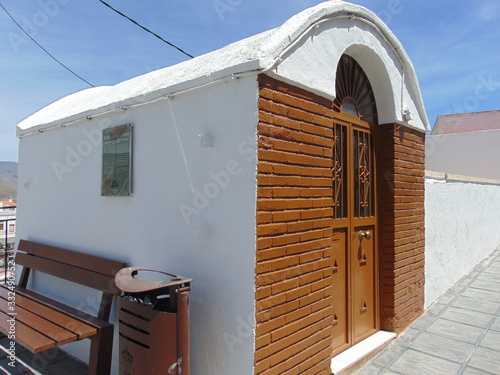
(340,295)
(363,277)
(355,263)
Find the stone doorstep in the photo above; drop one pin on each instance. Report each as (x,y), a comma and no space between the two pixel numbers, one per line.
(359,353)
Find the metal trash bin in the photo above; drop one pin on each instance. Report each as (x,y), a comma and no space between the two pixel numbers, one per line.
(153,323)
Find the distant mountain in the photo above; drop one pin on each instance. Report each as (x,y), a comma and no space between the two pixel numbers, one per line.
(8,180)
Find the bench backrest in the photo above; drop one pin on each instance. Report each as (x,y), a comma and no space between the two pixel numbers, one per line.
(85,269)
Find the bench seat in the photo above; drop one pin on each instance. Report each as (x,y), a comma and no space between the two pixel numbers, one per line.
(42,323)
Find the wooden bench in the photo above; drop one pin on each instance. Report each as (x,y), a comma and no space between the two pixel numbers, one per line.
(42,323)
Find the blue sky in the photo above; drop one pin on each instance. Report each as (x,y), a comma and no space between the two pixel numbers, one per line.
(454,45)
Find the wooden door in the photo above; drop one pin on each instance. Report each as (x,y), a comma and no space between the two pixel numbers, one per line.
(355,263)
(355,250)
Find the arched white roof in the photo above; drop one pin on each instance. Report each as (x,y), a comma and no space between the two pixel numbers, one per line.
(304,51)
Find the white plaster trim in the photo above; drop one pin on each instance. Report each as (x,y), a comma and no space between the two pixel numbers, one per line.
(435,175)
(474,180)
(358,352)
(459,178)
(119,106)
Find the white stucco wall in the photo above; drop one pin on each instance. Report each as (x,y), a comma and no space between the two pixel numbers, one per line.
(462,222)
(60,204)
(470,154)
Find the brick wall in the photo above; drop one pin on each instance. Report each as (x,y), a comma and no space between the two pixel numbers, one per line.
(401,210)
(294,211)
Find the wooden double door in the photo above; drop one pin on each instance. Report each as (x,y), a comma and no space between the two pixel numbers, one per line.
(355,254)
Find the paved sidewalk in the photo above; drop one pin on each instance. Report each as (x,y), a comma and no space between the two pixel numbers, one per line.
(458,335)
(51,362)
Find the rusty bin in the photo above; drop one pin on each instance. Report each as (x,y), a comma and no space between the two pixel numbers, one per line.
(153,323)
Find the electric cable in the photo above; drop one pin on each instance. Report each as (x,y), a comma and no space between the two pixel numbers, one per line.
(149,31)
(47,52)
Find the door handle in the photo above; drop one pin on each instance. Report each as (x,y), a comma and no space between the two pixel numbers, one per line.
(367,235)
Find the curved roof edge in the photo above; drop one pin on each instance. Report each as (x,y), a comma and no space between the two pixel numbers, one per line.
(252,55)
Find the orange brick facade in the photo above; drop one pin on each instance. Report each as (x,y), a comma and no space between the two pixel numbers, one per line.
(401,203)
(294,210)
(294,229)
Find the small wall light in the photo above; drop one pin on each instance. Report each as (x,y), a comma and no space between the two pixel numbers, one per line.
(405,112)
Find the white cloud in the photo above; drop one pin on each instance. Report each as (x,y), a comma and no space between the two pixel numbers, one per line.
(490,11)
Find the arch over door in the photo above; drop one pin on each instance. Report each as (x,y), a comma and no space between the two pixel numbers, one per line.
(355,234)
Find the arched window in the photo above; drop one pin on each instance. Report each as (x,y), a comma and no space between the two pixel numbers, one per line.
(348,106)
(354,92)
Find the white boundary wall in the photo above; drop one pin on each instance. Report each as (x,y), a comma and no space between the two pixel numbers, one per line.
(462,227)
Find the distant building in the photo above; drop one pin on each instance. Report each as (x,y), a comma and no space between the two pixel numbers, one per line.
(465,144)
(7,222)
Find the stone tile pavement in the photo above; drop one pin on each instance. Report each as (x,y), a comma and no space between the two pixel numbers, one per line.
(51,362)
(458,335)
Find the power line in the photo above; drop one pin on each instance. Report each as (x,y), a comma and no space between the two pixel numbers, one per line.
(47,52)
(144,28)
